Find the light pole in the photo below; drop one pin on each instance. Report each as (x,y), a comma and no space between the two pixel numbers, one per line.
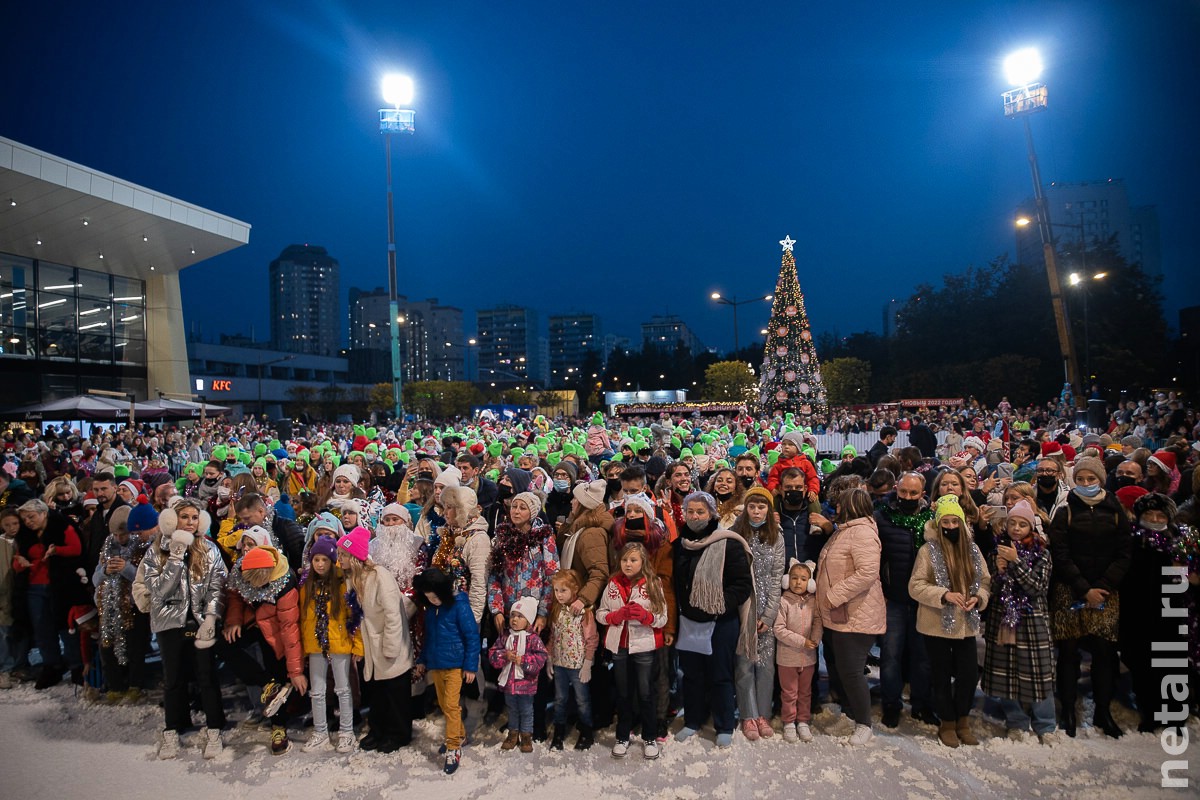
(397,92)
(1084,280)
(262,364)
(471,343)
(733,302)
(1029,97)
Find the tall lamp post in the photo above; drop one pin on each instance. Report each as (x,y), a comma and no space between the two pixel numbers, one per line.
(1084,280)
(733,302)
(1023,68)
(397,92)
(471,343)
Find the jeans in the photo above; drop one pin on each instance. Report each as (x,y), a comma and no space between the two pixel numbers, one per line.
(567,686)
(520,712)
(851,657)
(1017,717)
(755,683)
(903,646)
(636,700)
(955,674)
(45,628)
(448,684)
(795,693)
(14,649)
(177,650)
(708,680)
(318,668)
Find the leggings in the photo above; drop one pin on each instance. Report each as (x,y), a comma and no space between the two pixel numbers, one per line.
(850,652)
(317,668)
(177,649)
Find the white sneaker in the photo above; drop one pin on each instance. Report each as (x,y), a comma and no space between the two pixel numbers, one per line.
(789,732)
(318,742)
(620,749)
(212,742)
(345,743)
(862,734)
(805,732)
(650,750)
(169,746)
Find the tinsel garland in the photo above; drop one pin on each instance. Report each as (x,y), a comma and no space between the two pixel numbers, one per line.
(321,604)
(448,558)
(256,595)
(354,621)
(511,545)
(1016,603)
(913,523)
(1183,546)
(942,575)
(114,603)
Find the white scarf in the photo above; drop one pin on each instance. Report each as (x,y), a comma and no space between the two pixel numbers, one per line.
(568,550)
(516,641)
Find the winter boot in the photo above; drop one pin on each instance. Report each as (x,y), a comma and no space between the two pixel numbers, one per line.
(948,735)
(510,741)
(556,741)
(526,742)
(586,738)
(963,729)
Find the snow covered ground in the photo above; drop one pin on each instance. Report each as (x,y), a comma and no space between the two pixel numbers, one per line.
(55,746)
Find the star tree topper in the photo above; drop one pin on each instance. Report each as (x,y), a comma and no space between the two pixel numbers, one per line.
(787,243)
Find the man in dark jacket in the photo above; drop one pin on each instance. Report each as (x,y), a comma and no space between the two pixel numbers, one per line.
(104,486)
(921,436)
(792,501)
(901,517)
(252,510)
(887,438)
(708,678)
(486,491)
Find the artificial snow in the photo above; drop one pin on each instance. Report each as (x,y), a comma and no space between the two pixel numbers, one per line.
(54,745)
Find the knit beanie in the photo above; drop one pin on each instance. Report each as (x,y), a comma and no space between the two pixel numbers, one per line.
(356,543)
(1022,510)
(1092,465)
(258,558)
(948,506)
(590,495)
(795,437)
(143,517)
(531,501)
(323,547)
(398,510)
(451,476)
(527,607)
(348,471)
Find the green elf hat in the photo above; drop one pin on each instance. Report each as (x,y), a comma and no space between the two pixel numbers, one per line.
(495,449)
(697,449)
(121,471)
(350,456)
(493,474)
(554,458)
(677,442)
(755,451)
(244,458)
(372,447)
(827,466)
(219,453)
(304,455)
(849,450)
(359,430)
(372,433)
(260,450)
(405,456)
(722,464)
(517,452)
(617,457)
(597,418)
(542,449)
(773,456)
(261,462)
(409,444)
(810,452)
(394,454)
(740,440)
(274,444)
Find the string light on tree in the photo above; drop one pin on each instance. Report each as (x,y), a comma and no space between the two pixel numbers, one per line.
(790,379)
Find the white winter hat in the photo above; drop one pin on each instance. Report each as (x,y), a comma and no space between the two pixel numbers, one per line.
(527,607)
(531,501)
(451,476)
(590,495)
(975,442)
(399,511)
(348,471)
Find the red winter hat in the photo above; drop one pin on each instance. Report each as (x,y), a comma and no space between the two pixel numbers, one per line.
(1050,448)
(477,449)
(1165,460)
(89,499)
(1129,494)
(1068,452)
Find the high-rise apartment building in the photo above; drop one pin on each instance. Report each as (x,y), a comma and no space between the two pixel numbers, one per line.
(508,344)
(665,333)
(303,291)
(425,327)
(572,337)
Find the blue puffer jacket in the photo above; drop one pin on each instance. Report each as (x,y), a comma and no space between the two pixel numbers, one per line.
(451,636)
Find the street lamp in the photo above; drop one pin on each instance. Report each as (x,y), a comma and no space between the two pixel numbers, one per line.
(262,364)
(397,92)
(1023,68)
(734,303)
(471,343)
(1084,280)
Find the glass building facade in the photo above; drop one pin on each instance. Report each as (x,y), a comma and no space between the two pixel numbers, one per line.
(64,330)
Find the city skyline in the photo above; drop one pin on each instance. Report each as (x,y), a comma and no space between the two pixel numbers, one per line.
(877,141)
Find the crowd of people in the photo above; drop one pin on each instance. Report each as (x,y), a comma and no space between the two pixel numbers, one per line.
(660,574)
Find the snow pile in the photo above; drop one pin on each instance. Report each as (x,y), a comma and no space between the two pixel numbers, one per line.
(55,746)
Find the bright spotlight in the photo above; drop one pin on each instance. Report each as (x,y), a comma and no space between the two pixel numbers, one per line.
(397,90)
(1023,67)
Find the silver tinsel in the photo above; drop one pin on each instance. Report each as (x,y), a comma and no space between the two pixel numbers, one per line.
(113,599)
(938,561)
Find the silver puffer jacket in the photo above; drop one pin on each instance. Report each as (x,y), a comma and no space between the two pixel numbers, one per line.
(165,590)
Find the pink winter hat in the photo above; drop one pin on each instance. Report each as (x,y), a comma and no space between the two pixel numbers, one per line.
(356,543)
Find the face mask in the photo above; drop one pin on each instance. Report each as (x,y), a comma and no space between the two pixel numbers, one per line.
(638,524)
(950,535)
(908,505)
(613,484)
(697,525)
(223,492)
(723,496)
(562,485)
(211,481)
(1154,526)
(793,498)
(1047,482)
(1087,491)
(1125,480)
(757,525)
(747,480)
(505,492)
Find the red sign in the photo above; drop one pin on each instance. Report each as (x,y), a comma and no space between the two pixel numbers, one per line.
(222,386)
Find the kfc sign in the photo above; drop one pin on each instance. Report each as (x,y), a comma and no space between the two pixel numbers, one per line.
(222,386)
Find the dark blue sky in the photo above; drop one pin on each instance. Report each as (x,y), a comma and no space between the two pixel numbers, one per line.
(622,158)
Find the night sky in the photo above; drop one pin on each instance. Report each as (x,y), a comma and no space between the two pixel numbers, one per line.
(617,157)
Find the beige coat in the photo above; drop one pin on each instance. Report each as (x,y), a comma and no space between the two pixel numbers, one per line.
(387,647)
(849,595)
(923,588)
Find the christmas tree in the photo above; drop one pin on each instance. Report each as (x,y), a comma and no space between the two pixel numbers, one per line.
(790,379)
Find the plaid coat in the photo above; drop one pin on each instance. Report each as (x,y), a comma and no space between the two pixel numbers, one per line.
(1023,671)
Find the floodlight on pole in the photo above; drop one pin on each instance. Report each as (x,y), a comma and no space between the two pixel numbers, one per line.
(397,91)
(1022,222)
(1023,67)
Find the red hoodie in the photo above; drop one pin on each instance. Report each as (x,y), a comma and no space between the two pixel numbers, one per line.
(812,481)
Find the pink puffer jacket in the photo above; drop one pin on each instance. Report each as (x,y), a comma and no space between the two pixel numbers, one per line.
(849,595)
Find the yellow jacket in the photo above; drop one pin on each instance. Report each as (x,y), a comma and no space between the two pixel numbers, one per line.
(340,641)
